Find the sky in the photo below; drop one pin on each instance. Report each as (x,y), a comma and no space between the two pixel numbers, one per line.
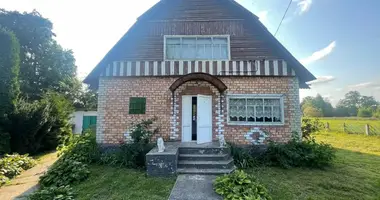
(337,40)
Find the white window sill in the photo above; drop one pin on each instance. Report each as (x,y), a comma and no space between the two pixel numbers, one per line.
(255,124)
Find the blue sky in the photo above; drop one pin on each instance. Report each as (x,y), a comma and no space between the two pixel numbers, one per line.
(337,40)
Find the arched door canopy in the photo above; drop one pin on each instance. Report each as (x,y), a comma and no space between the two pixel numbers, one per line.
(199,77)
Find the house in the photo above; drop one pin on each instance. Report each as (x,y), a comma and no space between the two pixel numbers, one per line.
(82,120)
(203,68)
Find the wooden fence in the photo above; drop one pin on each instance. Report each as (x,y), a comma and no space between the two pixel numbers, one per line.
(367,129)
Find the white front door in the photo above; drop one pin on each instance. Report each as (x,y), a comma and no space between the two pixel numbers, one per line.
(204,121)
(186,118)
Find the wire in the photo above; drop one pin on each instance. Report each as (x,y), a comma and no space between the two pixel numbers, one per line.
(278,28)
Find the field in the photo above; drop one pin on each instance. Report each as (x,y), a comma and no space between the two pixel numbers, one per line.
(352,125)
(354,174)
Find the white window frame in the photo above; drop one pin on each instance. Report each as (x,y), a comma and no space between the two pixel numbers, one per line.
(198,36)
(258,96)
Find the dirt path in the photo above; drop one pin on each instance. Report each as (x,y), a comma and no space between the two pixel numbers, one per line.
(27,181)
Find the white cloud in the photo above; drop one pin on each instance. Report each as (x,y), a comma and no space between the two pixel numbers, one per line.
(319,54)
(303,5)
(364,85)
(321,79)
(339,89)
(263,16)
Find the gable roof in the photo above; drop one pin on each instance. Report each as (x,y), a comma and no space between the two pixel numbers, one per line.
(303,74)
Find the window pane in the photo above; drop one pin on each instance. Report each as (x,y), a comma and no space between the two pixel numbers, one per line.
(277,114)
(237,110)
(268,114)
(259,114)
(204,41)
(217,40)
(173,41)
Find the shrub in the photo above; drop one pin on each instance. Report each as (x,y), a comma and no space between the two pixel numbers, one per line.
(242,157)
(81,148)
(365,112)
(310,126)
(54,193)
(5,146)
(240,185)
(133,155)
(65,172)
(40,125)
(3,179)
(12,165)
(300,154)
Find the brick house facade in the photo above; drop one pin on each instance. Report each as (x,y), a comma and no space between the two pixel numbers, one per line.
(203,68)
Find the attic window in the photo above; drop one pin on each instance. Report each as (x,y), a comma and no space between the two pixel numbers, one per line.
(197,48)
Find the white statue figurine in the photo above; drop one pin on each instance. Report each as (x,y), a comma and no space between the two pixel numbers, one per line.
(160,145)
(222,142)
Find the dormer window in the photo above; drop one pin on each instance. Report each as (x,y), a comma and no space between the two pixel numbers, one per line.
(197,48)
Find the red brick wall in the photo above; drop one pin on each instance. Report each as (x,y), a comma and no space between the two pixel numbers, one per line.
(114,94)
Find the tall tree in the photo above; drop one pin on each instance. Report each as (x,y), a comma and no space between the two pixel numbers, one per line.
(45,65)
(351,102)
(9,87)
(368,102)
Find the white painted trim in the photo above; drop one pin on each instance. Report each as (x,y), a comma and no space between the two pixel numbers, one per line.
(284,68)
(108,70)
(198,36)
(266,67)
(258,72)
(155,68)
(146,68)
(114,69)
(121,68)
(266,96)
(129,68)
(275,66)
(138,66)
(180,71)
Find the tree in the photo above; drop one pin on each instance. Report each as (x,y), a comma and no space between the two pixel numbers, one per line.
(351,102)
(87,100)
(311,111)
(319,103)
(368,102)
(45,65)
(365,112)
(9,71)
(9,87)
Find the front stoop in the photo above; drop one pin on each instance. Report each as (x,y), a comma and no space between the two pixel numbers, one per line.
(204,161)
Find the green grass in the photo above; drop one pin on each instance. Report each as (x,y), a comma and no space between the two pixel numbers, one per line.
(120,183)
(355,125)
(355,173)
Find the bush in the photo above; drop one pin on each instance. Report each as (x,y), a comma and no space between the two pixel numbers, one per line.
(12,165)
(65,172)
(82,148)
(3,179)
(240,185)
(242,157)
(133,154)
(365,112)
(300,154)
(5,146)
(54,193)
(40,125)
(310,126)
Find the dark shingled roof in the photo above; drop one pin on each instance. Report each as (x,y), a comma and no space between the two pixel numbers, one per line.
(303,74)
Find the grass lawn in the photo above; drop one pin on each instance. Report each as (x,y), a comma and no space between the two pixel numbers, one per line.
(355,173)
(353,124)
(120,183)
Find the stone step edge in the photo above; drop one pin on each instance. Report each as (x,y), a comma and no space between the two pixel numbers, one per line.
(203,155)
(205,171)
(201,162)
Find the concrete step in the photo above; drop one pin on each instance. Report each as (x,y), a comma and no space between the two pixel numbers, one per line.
(203,150)
(205,171)
(204,157)
(222,164)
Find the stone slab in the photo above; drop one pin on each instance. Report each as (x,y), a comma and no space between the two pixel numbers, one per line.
(194,187)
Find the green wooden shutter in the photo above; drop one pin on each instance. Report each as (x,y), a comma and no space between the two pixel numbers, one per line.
(137,105)
(88,121)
